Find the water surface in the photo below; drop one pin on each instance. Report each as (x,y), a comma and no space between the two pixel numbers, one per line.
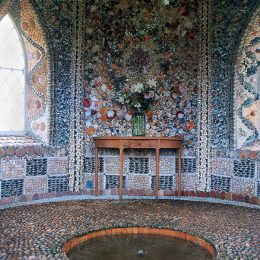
(136,247)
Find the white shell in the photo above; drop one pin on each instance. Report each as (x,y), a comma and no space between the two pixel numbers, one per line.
(88,113)
(110,113)
(104,88)
(128,117)
(88,123)
(98,115)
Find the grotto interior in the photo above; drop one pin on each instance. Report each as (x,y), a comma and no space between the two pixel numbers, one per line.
(74,71)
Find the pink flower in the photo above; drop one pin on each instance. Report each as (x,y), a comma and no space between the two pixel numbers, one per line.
(138,105)
(146,96)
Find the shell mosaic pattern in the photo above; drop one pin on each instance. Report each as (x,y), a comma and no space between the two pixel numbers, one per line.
(244,168)
(220,183)
(38,68)
(57,21)
(247,104)
(58,183)
(13,187)
(36,167)
(138,165)
(177,88)
(165,182)
(11,168)
(188,165)
(229,19)
(55,181)
(131,43)
(34,185)
(112,181)
(89,164)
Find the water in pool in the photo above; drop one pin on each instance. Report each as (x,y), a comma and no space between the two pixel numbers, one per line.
(136,247)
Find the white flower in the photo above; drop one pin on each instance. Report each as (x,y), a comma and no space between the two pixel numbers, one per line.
(138,105)
(121,100)
(137,87)
(166,2)
(152,83)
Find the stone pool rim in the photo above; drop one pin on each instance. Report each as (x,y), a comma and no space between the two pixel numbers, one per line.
(208,246)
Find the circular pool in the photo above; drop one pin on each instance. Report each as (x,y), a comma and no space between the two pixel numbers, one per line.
(136,243)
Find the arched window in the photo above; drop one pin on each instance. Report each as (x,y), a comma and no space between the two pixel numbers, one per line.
(12,79)
(26,85)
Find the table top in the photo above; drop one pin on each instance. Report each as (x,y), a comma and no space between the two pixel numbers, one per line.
(173,138)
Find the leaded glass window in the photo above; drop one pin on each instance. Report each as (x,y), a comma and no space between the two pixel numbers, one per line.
(12,79)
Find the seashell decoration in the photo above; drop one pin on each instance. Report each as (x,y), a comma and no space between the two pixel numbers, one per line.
(128,117)
(111,114)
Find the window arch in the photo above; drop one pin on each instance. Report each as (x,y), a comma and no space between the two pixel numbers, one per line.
(38,81)
(12,79)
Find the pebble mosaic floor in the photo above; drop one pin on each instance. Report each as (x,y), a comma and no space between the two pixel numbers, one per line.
(39,231)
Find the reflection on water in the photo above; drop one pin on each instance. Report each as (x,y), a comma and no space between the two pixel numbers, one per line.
(136,247)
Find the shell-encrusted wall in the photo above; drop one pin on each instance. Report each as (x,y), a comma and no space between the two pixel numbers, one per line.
(38,80)
(129,43)
(229,21)
(247,89)
(132,43)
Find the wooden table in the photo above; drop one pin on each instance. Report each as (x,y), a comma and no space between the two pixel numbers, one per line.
(124,142)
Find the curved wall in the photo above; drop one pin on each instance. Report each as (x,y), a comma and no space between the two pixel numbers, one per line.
(31,171)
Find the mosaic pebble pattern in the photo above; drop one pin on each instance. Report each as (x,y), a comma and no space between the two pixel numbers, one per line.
(89,164)
(246,100)
(258,189)
(228,22)
(89,182)
(165,182)
(36,167)
(138,182)
(11,168)
(112,181)
(189,182)
(26,230)
(57,15)
(222,166)
(138,165)
(32,174)
(112,165)
(57,166)
(12,187)
(220,183)
(188,165)
(167,165)
(58,183)
(245,187)
(35,185)
(244,168)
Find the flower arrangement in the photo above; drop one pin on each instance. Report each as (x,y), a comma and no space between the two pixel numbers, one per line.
(138,97)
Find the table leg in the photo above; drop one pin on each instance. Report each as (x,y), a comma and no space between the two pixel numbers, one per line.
(179,171)
(96,171)
(121,173)
(157,172)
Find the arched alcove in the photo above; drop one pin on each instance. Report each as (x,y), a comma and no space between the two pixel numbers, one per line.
(247,89)
(37,82)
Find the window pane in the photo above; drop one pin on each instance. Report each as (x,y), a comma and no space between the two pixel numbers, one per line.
(11,51)
(12,79)
(11,100)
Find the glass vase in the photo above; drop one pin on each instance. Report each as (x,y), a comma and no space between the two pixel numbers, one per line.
(139,124)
